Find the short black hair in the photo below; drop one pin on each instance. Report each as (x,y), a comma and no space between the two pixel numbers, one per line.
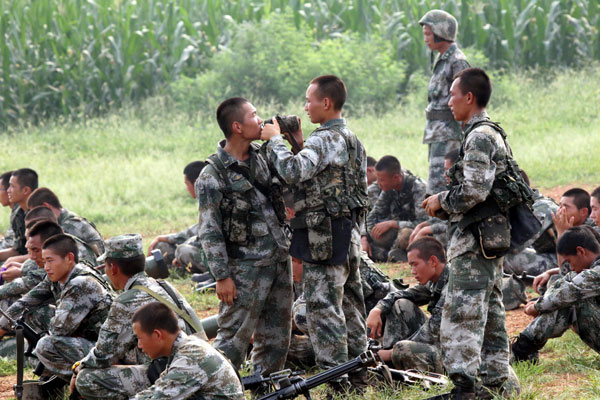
(43,195)
(62,245)
(156,315)
(129,266)
(427,247)
(192,170)
(452,155)
(371,161)
(332,87)
(596,193)
(389,164)
(578,236)
(229,112)
(476,81)
(5,179)
(581,198)
(46,229)
(39,213)
(26,177)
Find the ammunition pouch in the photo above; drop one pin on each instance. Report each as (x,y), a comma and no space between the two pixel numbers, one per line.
(490,228)
(319,239)
(439,115)
(156,367)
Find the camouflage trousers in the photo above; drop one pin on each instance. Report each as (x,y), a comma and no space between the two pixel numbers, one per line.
(335,308)
(38,319)
(530,262)
(404,319)
(583,317)
(437,152)
(263,309)
(300,353)
(188,254)
(473,328)
(59,353)
(116,382)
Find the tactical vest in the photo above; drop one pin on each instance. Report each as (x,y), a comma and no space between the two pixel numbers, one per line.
(338,191)
(235,206)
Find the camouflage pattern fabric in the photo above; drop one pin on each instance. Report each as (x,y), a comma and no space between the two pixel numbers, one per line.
(8,240)
(402,322)
(436,182)
(80,227)
(530,262)
(441,23)
(17,224)
(301,353)
(439,229)
(373,191)
(410,354)
(191,256)
(31,275)
(513,292)
(59,353)
(181,237)
(167,250)
(195,370)
(116,382)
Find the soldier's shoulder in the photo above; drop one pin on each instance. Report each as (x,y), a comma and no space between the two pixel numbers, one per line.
(458,56)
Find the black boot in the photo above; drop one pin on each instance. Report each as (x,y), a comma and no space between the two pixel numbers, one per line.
(525,349)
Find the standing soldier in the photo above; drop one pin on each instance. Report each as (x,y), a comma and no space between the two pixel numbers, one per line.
(442,132)
(329,182)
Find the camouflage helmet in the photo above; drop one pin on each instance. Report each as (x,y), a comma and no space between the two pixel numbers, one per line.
(441,23)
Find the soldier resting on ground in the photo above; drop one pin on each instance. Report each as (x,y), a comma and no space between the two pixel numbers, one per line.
(397,210)
(373,189)
(183,249)
(7,241)
(194,369)
(595,205)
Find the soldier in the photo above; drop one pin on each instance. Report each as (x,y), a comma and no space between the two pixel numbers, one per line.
(473,327)
(373,189)
(574,210)
(328,179)
(21,184)
(113,368)
(570,301)
(442,132)
(183,249)
(241,220)
(71,223)
(194,369)
(82,300)
(398,209)
(7,241)
(595,206)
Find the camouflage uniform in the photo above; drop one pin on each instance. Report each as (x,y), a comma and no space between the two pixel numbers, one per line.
(244,240)
(335,303)
(571,300)
(80,227)
(442,132)
(195,370)
(17,224)
(404,206)
(82,304)
(473,329)
(373,191)
(8,240)
(186,248)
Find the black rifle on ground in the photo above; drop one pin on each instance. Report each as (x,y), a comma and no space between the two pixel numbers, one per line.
(257,381)
(29,333)
(290,388)
(411,377)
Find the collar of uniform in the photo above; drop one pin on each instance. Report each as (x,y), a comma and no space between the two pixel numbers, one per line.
(476,118)
(335,121)
(72,274)
(227,159)
(64,214)
(595,263)
(446,54)
(176,344)
(442,280)
(132,280)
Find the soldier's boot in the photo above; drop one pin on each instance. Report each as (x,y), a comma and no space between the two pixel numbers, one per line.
(525,349)
(201,277)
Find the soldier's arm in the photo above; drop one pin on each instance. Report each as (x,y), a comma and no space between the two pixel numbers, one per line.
(418,294)
(180,237)
(36,296)
(16,287)
(581,287)
(380,212)
(77,300)
(210,223)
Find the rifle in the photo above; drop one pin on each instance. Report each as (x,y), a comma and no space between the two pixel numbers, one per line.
(257,381)
(524,277)
(29,333)
(409,377)
(291,388)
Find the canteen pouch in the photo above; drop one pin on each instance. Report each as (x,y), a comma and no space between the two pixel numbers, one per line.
(493,234)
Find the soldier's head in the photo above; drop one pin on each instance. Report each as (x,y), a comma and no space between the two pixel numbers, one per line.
(37,234)
(470,93)
(438,27)
(237,116)
(325,97)
(389,173)
(156,328)
(575,203)
(123,257)
(427,259)
(45,197)
(60,256)
(449,160)
(190,174)
(4,182)
(22,183)
(579,246)
(595,204)
(371,175)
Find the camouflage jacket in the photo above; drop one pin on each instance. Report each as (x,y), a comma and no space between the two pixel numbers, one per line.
(484,159)
(236,222)
(571,289)
(17,224)
(419,294)
(31,275)
(82,303)
(116,342)
(8,240)
(80,227)
(195,370)
(403,206)
(373,191)
(438,94)
(183,236)
(429,332)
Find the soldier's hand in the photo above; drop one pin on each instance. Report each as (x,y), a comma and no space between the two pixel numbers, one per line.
(530,309)
(226,291)
(72,384)
(431,205)
(374,323)
(270,130)
(364,242)
(11,273)
(298,135)
(426,231)
(382,227)
(561,221)
(157,240)
(541,280)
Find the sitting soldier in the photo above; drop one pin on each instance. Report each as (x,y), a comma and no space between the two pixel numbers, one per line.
(397,208)
(194,368)
(373,189)
(7,241)
(569,301)
(595,204)
(183,249)
(113,368)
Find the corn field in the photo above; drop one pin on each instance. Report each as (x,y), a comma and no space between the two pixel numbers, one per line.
(78,58)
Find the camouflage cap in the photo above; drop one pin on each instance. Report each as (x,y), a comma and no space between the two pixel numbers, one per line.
(123,246)
(441,23)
